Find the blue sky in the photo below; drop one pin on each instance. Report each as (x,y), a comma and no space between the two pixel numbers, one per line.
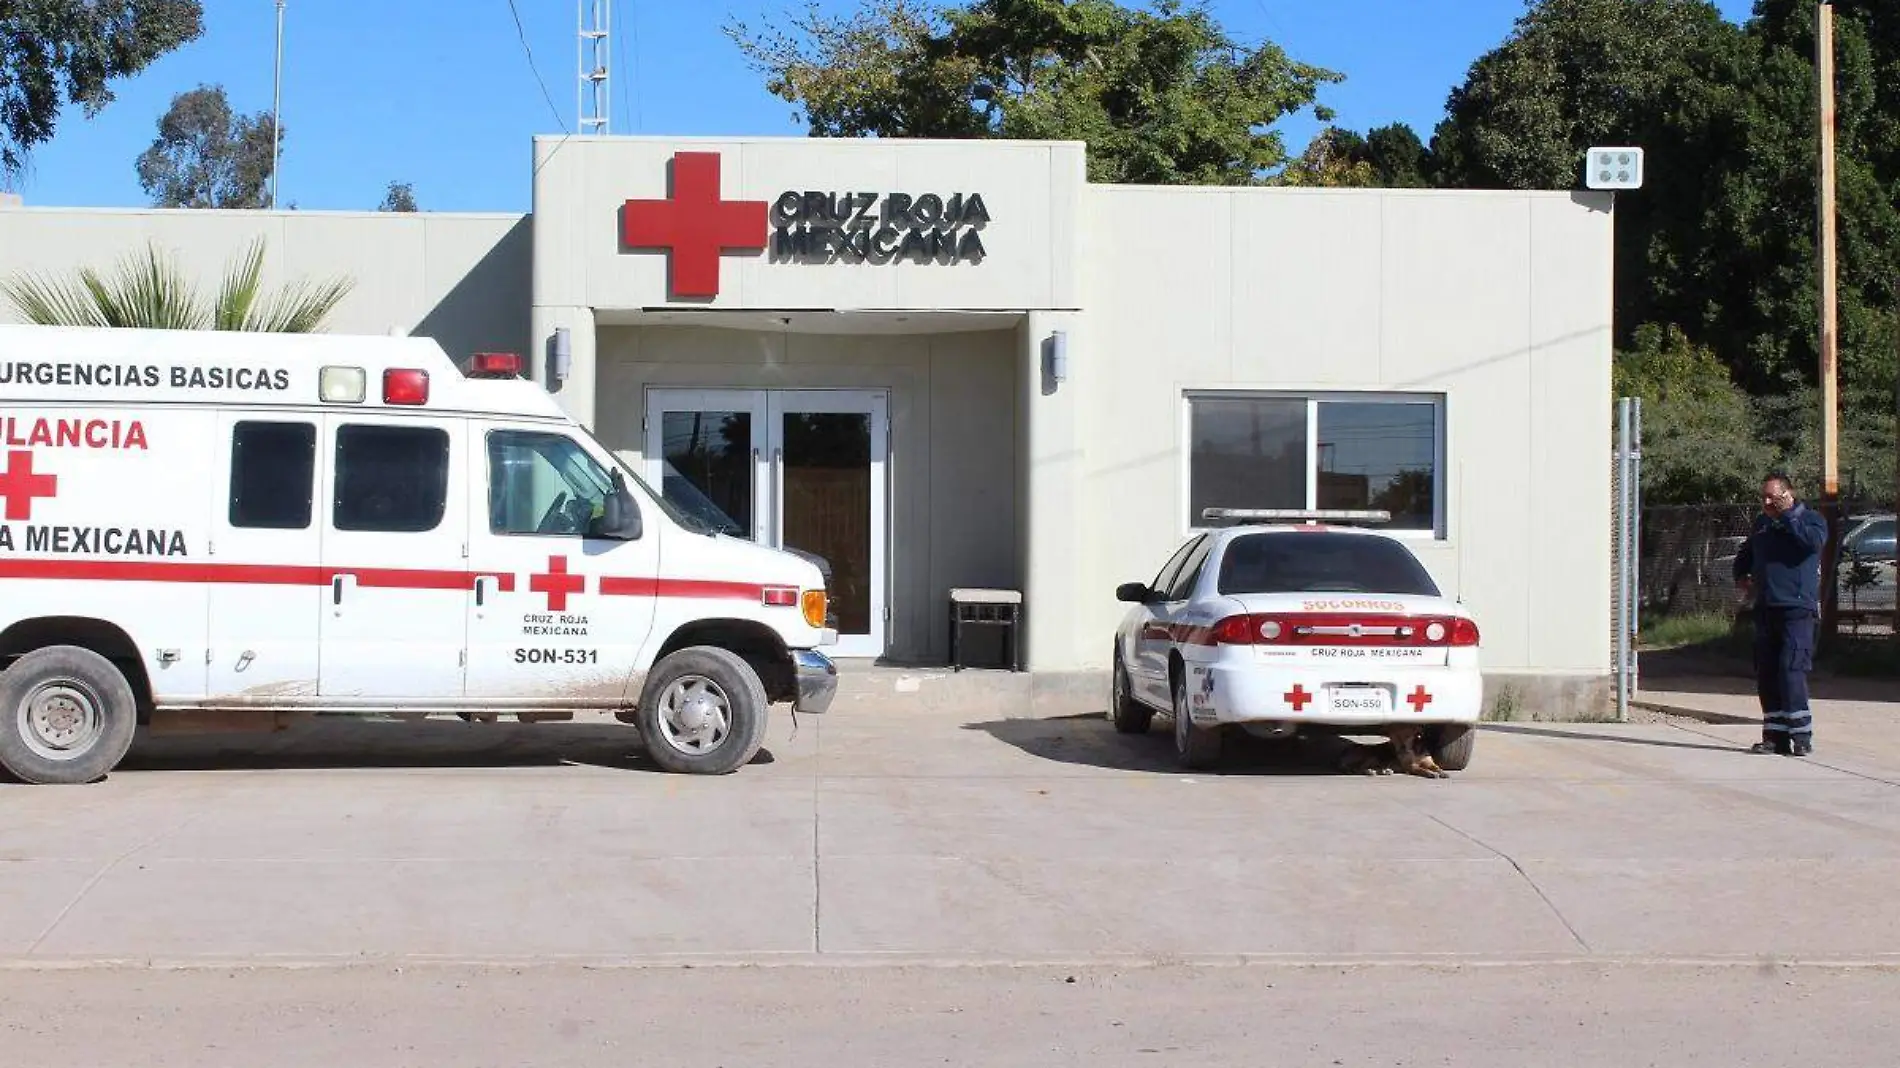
(440,93)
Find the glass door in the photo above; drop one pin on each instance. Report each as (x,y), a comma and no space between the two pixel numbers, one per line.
(801,470)
(827,468)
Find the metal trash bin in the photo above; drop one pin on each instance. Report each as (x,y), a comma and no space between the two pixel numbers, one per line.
(987,608)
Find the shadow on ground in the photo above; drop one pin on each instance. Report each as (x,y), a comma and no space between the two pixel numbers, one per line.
(350,744)
(1090,740)
(1592,736)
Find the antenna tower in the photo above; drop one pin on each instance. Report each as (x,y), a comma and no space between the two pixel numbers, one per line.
(595,99)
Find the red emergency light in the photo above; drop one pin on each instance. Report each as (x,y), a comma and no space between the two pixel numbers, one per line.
(495,365)
(405,385)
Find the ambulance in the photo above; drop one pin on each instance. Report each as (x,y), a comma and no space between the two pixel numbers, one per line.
(229,530)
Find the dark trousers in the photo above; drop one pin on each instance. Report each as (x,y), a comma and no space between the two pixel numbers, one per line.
(1784,653)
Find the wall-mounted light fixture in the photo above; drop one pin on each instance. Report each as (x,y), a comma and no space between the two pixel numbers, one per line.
(1057,356)
(560,354)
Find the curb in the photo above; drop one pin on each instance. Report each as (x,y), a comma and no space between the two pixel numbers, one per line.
(1702,714)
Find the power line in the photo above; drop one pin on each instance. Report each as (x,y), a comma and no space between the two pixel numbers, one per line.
(522,32)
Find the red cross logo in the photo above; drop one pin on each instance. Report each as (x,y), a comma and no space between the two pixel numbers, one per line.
(557,583)
(695,226)
(1419,699)
(19,486)
(1298,697)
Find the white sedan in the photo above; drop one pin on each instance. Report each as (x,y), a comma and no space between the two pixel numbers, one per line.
(1284,623)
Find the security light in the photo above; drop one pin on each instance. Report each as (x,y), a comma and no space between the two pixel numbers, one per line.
(1613,168)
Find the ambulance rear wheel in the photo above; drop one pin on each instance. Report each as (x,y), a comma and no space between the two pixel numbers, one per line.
(703,712)
(67,716)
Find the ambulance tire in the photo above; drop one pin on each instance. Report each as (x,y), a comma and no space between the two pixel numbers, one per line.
(735,689)
(67,717)
(1451,745)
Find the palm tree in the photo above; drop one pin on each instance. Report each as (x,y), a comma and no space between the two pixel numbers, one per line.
(152,292)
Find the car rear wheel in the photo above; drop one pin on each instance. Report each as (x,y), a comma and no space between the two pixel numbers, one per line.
(1451,745)
(1129,715)
(1197,748)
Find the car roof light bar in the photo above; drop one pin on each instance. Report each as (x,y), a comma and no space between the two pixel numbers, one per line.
(1296,515)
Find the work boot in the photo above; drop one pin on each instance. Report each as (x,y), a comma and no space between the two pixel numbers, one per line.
(1801,748)
(1765,746)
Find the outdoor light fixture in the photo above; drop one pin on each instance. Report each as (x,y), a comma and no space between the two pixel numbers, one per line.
(560,354)
(1058,356)
(1613,168)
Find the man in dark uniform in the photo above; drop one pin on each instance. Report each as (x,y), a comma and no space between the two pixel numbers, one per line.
(1781,564)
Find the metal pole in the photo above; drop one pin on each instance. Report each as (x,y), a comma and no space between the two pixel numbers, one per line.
(1623,559)
(276,108)
(1636,542)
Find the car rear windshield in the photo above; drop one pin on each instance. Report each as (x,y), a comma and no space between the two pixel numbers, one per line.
(1322,562)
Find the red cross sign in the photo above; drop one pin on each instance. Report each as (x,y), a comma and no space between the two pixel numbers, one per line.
(19,486)
(557,583)
(1419,699)
(695,226)
(1298,697)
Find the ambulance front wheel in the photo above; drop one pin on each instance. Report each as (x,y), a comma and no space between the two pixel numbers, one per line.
(67,716)
(702,712)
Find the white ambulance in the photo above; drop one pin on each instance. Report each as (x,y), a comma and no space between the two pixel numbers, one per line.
(237,529)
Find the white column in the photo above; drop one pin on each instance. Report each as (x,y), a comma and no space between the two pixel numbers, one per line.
(1050,481)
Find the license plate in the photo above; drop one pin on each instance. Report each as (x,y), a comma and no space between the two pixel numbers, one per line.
(1360,700)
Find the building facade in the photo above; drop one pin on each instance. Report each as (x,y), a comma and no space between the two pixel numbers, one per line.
(959,364)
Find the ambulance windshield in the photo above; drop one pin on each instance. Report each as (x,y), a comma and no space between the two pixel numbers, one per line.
(706,518)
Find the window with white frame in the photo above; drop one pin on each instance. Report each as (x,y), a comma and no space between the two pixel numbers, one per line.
(1330,450)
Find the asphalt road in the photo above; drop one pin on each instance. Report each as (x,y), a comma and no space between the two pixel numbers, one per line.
(887,888)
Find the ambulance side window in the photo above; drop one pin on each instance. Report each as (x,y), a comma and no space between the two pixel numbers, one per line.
(543,484)
(391,479)
(273,467)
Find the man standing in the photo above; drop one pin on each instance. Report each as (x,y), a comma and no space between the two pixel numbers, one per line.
(1781,564)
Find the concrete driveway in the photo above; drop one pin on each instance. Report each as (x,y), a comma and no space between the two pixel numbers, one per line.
(1023,891)
(933,835)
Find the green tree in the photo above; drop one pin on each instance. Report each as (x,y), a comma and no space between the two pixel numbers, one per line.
(1390,157)
(1161,95)
(57,51)
(147,290)
(401,196)
(206,156)
(1700,441)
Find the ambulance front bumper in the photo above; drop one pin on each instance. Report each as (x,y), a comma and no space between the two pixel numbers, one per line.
(817,679)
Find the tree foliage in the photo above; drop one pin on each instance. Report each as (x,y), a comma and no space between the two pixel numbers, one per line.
(1162,95)
(207,156)
(149,290)
(401,196)
(53,52)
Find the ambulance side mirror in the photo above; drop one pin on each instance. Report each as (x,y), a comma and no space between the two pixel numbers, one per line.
(622,519)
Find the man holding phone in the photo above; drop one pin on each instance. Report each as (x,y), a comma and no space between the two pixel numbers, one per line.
(1780,564)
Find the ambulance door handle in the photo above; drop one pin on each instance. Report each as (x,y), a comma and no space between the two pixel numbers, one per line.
(336,590)
(482,582)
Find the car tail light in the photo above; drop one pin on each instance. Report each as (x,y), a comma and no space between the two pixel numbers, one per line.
(1464,632)
(815,607)
(405,386)
(1234,630)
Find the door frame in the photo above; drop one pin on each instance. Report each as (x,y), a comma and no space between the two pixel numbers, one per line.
(768,407)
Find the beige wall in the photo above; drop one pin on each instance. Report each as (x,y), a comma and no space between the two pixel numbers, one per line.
(952,492)
(461,279)
(1499,300)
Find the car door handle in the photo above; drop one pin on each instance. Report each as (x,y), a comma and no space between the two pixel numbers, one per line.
(482,583)
(336,590)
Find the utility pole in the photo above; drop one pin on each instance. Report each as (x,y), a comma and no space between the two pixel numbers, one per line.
(276,108)
(1830,336)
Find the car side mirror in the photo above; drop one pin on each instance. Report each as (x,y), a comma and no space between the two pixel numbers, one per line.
(1132,592)
(622,519)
